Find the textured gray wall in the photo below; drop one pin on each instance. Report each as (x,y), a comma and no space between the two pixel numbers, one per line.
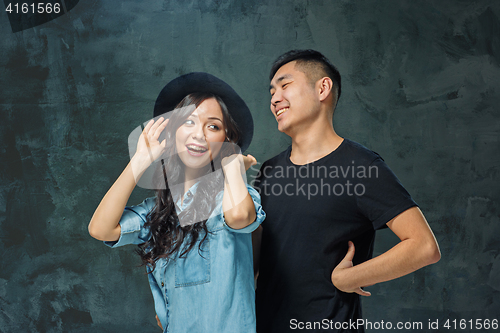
(421,84)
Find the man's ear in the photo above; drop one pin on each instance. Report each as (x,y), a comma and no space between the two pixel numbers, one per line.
(325,88)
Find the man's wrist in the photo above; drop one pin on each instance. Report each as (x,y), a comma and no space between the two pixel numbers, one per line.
(341,281)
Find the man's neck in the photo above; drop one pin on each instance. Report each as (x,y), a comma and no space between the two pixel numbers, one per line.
(314,142)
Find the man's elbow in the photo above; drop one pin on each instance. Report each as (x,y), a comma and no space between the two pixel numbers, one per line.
(432,254)
(436,255)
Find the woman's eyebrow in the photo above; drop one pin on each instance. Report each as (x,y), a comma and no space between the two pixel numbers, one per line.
(215,118)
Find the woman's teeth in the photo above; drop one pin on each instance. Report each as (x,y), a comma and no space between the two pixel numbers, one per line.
(281,111)
(197,149)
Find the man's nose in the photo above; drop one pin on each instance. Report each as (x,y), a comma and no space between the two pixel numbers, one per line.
(276,98)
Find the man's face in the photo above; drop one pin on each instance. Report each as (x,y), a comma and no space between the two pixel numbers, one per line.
(293,99)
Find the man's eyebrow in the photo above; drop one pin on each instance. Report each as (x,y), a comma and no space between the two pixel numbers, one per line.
(281,78)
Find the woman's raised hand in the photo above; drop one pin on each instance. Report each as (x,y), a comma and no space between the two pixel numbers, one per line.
(238,206)
(237,160)
(249,160)
(149,148)
(104,224)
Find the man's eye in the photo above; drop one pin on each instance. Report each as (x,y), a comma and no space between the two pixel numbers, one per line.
(284,85)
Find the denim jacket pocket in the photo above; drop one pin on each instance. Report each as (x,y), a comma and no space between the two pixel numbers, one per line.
(194,267)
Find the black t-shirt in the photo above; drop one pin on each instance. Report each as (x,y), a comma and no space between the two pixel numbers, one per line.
(312,212)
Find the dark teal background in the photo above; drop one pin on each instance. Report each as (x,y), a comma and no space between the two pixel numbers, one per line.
(421,84)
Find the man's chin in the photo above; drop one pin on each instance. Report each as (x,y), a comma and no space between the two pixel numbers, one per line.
(281,128)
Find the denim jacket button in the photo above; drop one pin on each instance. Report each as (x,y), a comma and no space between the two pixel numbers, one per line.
(162,284)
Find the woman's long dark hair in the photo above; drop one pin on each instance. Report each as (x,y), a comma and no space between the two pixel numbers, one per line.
(167,236)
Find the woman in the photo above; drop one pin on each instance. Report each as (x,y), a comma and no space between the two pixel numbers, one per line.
(195,236)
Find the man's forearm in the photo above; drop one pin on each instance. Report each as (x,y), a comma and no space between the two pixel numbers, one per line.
(404,258)
(418,248)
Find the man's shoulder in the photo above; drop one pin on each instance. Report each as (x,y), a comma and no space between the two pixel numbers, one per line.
(354,150)
(349,149)
(278,159)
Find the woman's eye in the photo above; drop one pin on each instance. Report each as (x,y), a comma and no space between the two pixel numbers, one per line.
(214,127)
(189,122)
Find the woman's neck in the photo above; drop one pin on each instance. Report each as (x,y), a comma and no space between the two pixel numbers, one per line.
(190,178)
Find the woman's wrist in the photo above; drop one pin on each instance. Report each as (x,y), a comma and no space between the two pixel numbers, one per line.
(235,166)
(139,164)
(232,170)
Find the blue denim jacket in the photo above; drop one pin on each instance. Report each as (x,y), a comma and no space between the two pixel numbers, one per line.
(209,293)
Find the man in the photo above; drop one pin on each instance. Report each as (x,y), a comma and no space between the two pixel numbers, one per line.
(324,198)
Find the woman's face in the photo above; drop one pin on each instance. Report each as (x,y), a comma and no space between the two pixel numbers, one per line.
(198,140)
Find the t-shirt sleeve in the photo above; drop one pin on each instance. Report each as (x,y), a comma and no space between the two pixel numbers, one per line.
(384,196)
(260,214)
(132,224)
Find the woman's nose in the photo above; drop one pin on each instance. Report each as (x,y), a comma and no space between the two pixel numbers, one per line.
(198,133)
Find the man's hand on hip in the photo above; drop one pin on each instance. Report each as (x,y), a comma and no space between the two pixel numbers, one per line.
(339,276)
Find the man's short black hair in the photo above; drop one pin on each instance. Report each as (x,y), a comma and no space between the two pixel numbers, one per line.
(309,62)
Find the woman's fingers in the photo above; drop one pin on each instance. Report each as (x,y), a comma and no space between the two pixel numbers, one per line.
(249,160)
(149,144)
(155,126)
(153,129)
(158,322)
(237,159)
(148,126)
(160,128)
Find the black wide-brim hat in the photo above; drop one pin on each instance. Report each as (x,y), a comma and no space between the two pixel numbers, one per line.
(186,84)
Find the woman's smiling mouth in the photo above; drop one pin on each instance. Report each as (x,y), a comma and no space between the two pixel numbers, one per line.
(196,150)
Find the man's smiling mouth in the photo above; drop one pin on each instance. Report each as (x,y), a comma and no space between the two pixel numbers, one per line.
(280,111)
